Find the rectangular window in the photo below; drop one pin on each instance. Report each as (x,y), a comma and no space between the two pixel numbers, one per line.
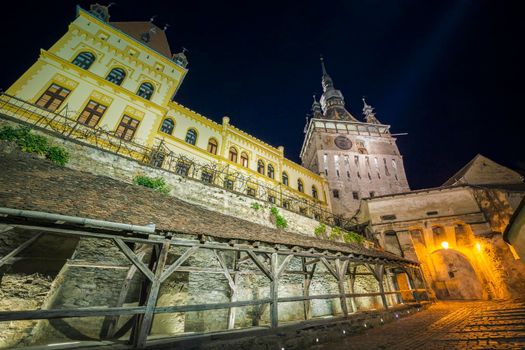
(271,199)
(207,176)
(286,204)
(372,194)
(182,168)
(228,184)
(303,211)
(250,191)
(53,97)
(335,193)
(127,128)
(355,195)
(92,113)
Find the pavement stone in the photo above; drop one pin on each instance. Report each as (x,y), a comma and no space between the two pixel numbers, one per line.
(447,325)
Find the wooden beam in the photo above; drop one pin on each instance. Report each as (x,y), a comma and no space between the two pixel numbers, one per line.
(133,258)
(145,327)
(274,287)
(261,267)
(173,267)
(19,249)
(340,269)
(63,313)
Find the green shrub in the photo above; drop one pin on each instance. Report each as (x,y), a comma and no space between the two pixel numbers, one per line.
(280,221)
(156,183)
(57,155)
(335,233)
(352,237)
(256,206)
(32,143)
(320,231)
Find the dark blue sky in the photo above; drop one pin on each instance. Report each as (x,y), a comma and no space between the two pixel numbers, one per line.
(449,73)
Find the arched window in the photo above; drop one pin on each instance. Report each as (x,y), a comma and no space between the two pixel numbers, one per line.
(145,90)
(260,167)
(212,146)
(233,155)
(116,76)
(314,192)
(167,126)
(84,60)
(271,171)
(300,185)
(191,137)
(285,179)
(244,159)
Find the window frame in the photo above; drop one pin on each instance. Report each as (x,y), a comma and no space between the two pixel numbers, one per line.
(80,60)
(172,126)
(140,90)
(93,113)
(233,156)
(191,136)
(127,126)
(213,145)
(53,96)
(115,81)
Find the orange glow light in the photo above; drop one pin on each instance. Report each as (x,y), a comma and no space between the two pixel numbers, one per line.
(478,246)
(444,244)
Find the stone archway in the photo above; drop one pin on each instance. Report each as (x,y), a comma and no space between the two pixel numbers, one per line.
(455,277)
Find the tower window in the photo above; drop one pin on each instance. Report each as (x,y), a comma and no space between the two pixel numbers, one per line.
(91,114)
(314,192)
(285,179)
(369,176)
(355,195)
(233,155)
(127,128)
(53,97)
(271,171)
(372,194)
(167,126)
(84,60)
(116,76)
(356,161)
(348,174)
(260,167)
(145,90)
(300,185)
(191,137)
(244,159)
(335,193)
(212,146)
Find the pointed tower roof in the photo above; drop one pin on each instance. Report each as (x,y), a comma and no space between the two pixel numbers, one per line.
(484,171)
(332,100)
(368,112)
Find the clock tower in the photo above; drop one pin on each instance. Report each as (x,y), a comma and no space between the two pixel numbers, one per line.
(360,159)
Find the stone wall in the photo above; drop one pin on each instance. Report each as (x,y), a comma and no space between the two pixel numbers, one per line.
(99,162)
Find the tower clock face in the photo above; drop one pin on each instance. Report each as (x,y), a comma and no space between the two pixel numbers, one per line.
(343,142)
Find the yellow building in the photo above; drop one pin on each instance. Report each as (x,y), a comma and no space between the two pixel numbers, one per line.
(113,83)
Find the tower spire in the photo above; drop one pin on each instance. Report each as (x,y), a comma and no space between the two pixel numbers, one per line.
(317,112)
(326,81)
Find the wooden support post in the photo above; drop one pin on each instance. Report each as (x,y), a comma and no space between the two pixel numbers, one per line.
(378,272)
(306,288)
(399,296)
(147,320)
(110,323)
(274,286)
(352,288)
(341,268)
(411,281)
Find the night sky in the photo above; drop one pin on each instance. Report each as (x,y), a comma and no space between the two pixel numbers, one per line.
(448,73)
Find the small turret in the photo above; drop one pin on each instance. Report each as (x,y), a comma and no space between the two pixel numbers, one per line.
(368,112)
(180,58)
(100,11)
(317,112)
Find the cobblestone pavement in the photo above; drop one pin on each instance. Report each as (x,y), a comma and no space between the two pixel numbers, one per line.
(447,325)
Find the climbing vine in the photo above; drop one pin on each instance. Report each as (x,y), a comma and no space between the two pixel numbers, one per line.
(280,220)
